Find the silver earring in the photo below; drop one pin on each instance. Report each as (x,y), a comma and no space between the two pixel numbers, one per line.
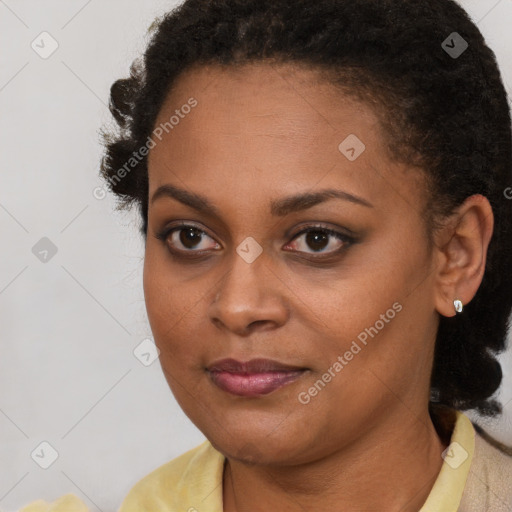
(457,304)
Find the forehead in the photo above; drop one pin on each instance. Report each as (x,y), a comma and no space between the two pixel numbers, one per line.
(271,128)
(264,98)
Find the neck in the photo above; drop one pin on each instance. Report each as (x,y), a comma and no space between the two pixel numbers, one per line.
(392,468)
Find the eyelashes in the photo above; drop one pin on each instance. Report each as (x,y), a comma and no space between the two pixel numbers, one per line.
(188,241)
(188,233)
(318,235)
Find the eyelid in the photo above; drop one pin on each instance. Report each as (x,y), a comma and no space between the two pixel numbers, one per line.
(347,239)
(168,230)
(333,229)
(339,235)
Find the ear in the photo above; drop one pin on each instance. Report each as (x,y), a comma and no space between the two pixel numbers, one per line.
(461,252)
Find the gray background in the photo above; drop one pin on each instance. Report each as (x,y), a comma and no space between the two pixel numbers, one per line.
(69,325)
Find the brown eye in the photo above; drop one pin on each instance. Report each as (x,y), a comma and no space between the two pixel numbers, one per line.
(187,238)
(318,240)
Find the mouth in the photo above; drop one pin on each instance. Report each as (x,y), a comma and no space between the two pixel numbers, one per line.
(253,378)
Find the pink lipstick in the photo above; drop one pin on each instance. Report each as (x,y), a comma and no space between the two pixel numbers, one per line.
(252,378)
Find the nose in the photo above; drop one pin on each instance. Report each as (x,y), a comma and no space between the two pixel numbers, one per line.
(249,297)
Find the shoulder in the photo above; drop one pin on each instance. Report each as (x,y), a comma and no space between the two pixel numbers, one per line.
(489,483)
(189,481)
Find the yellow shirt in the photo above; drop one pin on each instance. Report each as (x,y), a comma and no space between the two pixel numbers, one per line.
(192,482)
(67,503)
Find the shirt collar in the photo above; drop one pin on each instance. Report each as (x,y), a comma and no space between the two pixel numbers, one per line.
(448,488)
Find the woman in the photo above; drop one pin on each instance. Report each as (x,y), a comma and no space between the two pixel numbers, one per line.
(325,195)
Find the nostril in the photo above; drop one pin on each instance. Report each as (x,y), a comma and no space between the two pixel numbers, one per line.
(256,322)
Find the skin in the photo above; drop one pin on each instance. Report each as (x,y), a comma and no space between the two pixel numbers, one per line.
(260,133)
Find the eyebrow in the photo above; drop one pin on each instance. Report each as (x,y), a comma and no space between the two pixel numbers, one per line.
(279,207)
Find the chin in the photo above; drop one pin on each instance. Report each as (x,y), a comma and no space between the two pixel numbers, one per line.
(252,446)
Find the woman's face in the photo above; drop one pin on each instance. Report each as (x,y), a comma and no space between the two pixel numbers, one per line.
(344,318)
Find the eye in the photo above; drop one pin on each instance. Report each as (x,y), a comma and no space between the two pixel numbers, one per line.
(320,240)
(187,238)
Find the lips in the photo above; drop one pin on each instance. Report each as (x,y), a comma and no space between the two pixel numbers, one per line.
(252,378)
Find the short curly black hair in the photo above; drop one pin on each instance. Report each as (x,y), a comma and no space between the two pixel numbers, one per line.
(443,112)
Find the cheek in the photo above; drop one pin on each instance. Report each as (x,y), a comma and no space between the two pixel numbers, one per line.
(158,294)
(342,302)
(166,304)
(175,310)
(368,300)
